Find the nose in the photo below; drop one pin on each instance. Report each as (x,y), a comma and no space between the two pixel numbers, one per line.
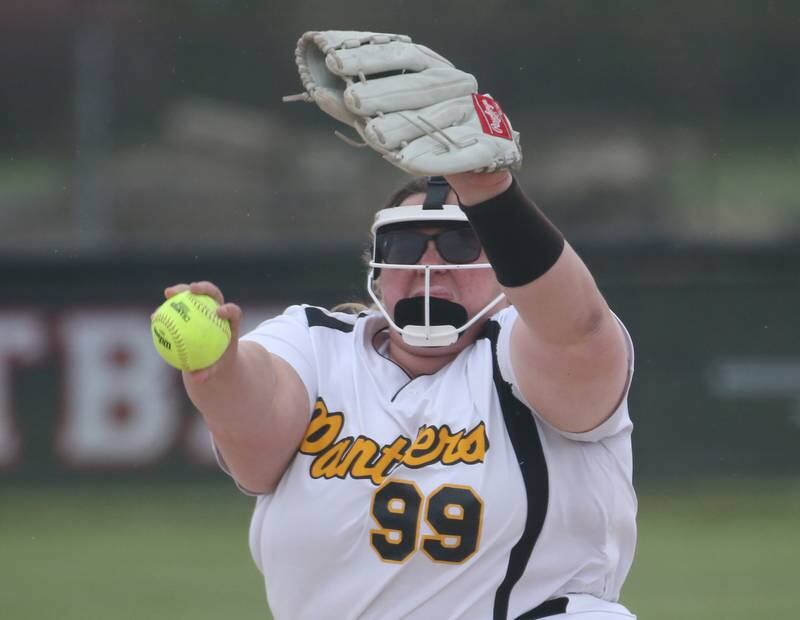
(431,255)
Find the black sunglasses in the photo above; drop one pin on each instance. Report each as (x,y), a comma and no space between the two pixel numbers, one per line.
(406,246)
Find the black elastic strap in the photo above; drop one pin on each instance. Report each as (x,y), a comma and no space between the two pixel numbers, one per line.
(436,196)
(520,242)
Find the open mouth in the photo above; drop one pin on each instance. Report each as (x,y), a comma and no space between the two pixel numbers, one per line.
(439,292)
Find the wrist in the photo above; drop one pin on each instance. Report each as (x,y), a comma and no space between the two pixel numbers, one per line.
(520,242)
(473,188)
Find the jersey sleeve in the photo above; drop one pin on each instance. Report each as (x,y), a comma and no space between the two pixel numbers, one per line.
(619,421)
(288,336)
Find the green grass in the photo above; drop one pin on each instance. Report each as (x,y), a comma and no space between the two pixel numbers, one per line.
(137,551)
(717,550)
(706,552)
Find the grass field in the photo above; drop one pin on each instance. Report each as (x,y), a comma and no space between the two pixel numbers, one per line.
(710,552)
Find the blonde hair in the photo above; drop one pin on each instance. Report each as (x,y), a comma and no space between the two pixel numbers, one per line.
(351,307)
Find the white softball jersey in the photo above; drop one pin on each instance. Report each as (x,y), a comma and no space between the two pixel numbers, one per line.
(442,496)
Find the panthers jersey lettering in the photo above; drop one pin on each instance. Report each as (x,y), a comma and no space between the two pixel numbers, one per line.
(363,457)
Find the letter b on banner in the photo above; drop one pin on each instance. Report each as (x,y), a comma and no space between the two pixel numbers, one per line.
(121,402)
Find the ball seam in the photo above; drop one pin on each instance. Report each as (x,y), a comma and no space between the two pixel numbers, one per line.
(210,315)
(179,344)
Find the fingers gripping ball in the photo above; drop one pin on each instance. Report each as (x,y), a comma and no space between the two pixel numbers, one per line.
(187,332)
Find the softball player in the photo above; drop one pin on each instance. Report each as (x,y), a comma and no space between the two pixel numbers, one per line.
(463,449)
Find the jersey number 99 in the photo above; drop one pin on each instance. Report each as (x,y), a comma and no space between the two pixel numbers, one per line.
(454,514)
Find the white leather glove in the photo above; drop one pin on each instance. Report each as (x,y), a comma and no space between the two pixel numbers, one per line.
(407,102)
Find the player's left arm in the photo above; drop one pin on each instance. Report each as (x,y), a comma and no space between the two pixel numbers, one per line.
(568,351)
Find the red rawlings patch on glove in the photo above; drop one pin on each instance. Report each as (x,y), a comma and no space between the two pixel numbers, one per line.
(493,121)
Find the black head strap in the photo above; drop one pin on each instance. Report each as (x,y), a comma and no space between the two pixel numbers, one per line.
(435,197)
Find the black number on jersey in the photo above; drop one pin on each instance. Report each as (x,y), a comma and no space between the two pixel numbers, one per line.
(454,513)
(396,507)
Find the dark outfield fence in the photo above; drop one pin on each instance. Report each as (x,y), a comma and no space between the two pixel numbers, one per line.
(83,393)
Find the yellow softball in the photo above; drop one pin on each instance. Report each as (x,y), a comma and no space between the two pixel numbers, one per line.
(187,332)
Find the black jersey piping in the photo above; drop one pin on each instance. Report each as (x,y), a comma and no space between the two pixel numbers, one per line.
(524,436)
(548,608)
(389,359)
(317,317)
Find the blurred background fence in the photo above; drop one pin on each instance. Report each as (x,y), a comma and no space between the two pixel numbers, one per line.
(144,143)
(84,394)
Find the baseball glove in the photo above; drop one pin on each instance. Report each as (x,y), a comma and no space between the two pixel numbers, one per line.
(406,102)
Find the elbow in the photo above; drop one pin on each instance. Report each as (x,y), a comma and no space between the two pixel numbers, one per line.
(594,320)
(255,477)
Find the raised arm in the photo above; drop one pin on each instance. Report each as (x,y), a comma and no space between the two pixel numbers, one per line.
(568,351)
(426,117)
(254,403)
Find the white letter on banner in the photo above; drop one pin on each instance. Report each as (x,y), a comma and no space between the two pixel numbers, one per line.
(22,341)
(121,400)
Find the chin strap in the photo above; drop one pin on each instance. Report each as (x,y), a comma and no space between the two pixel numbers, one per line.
(432,324)
(421,333)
